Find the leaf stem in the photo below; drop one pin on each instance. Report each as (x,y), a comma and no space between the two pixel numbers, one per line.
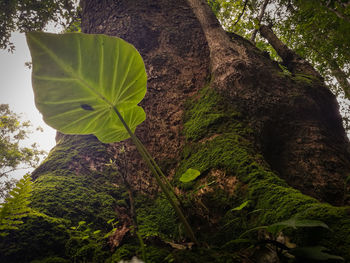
(160,172)
(155,170)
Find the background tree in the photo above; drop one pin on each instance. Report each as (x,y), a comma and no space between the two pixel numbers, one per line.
(258,134)
(25,16)
(315,30)
(13,156)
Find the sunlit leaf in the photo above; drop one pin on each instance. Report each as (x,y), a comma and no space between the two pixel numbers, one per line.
(189,175)
(110,221)
(78,79)
(81,223)
(239,208)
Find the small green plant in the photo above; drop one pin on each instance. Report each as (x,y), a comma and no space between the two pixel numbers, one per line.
(91,84)
(15,206)
(190,175)
(87,244)
(285,252)
(83,230)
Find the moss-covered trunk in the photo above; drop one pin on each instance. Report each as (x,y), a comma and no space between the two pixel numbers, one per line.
(214,103)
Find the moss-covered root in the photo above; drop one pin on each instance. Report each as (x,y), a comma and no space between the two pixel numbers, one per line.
(217,139)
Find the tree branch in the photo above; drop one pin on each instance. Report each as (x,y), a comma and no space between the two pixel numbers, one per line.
(291,60)
(335,11)
(261,15)
(241,14)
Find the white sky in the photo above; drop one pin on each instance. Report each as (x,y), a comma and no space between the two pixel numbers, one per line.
(16,90)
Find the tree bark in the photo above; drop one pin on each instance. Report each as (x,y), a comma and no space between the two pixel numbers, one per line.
(291,60)
(215,104)
(285,139)
(175,53)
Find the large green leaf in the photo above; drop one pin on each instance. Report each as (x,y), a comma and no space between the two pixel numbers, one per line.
(78,79)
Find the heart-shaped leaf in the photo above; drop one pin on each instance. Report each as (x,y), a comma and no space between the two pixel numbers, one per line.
(189,175)
(78,78)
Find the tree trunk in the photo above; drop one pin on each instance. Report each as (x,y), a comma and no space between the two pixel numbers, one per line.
(215,104)
(340,76)
(296,64)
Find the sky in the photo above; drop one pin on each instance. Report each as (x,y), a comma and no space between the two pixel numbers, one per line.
(16,90)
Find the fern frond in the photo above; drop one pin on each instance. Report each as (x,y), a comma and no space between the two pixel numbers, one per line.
(15,206)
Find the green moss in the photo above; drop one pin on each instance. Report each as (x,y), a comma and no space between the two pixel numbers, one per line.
(232,151)
(68,153)
(39,236)
(304,78)
(156,218)
(63,193)
(76,198)
(209,116)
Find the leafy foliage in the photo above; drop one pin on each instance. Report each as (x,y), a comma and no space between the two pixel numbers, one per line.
(26,16)
(12,155)
(16,205)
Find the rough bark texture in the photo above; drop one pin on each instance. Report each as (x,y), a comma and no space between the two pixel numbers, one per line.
(216,104)
(301,138)
(176,56)
(291,60)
